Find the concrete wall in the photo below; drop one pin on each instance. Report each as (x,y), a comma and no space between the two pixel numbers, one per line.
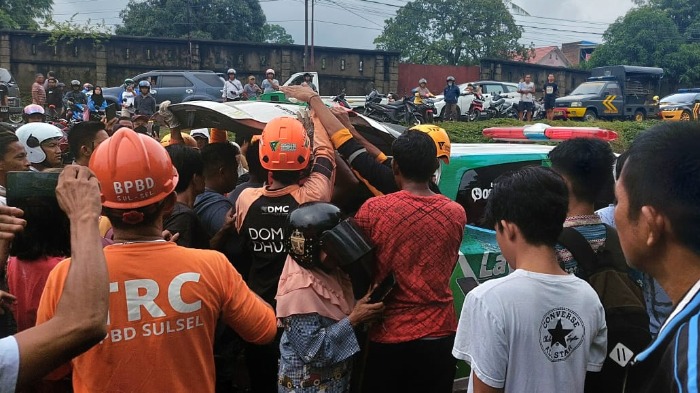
(511,71)
(110,62)
(410,74)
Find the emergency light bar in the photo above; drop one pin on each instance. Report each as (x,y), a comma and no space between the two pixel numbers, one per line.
(544,133)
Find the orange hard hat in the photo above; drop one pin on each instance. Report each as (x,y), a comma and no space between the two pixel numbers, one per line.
(284,145)
(134,170)
(440,137)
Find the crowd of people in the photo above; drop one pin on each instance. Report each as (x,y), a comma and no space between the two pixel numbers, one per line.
(196,264)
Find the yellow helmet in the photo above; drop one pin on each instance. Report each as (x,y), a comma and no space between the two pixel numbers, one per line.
(189,141)
(439,135)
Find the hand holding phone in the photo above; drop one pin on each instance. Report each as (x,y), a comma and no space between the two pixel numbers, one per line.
(382,290)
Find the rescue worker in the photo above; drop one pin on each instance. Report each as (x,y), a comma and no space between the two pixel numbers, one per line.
(165,299)
(41,141)
(372,166)
(261,213)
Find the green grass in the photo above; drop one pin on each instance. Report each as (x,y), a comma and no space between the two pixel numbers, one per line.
(470,132)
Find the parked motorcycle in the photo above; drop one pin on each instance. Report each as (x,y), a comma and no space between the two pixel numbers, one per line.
(476,108)
(499,108)
(539,112)
(400,111)
(340,100)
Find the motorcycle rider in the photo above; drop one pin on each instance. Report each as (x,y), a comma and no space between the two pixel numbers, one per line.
(232,87)
(75,96)
(126,97)
(451,94)
(87,87)
(41,141)
(145,104)
(33,113)
(422,92)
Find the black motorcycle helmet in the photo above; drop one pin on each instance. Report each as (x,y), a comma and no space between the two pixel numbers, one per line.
(318,226)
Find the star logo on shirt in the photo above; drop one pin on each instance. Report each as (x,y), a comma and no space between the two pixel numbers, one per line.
(562,331)
(559,335)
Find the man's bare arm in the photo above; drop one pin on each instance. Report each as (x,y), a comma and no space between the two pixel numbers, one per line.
(81,313)
(481,387)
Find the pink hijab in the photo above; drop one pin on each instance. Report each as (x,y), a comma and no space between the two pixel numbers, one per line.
(305,291)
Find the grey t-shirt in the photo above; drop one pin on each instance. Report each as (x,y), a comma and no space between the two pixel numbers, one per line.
(527,97)
(532,332)
(267,86)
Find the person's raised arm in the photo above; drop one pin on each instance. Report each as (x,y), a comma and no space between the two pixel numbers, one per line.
(81,313)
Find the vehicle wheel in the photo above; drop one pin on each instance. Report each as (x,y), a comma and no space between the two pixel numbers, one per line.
(590,115)
(474,115)
(639,115)
(442,114)
(416,119)
(16,118)
(685,116)
(429,118)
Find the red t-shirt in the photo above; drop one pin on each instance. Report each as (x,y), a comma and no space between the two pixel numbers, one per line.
(26,280)
(418,238)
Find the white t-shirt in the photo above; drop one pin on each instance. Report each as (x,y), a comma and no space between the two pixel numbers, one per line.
(128,98)
(532,332)
(9,364)
(527,97)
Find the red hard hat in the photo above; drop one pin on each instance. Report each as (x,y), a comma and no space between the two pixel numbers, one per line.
(134,170)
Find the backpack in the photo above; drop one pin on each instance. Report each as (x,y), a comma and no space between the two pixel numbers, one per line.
(623,301)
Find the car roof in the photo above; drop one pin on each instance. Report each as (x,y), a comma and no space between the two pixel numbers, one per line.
(489,149)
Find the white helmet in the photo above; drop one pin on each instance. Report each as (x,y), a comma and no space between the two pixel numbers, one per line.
(270,71)
(422,80)
(231,71)
(32,135)
(200,132)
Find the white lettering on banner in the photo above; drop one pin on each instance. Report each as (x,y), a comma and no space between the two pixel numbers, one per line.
(134,301)
(175,293)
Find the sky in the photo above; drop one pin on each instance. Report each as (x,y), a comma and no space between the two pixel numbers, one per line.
(355,23)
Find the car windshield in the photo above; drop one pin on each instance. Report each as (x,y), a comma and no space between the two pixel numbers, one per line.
(587,88)
(681,98)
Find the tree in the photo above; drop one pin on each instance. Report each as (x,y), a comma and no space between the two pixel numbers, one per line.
(456,32)
(644,36)
(684,13)
(276,34)
(241,20)
(68,31)
(22,14)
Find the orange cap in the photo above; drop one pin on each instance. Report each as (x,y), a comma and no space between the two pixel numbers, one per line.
(134,170)
(284,145)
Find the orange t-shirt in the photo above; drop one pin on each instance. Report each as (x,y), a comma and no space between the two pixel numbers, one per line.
(164,303)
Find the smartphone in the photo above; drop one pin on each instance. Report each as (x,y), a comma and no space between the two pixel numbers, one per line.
(466,284)
(111,111)
(31,188)
(383,289)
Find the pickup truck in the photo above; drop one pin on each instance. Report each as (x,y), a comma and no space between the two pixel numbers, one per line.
(356,102)
(613,93)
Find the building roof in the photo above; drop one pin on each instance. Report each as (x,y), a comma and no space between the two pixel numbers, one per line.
(539,55)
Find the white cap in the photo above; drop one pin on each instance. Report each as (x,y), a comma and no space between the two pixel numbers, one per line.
(200,132)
